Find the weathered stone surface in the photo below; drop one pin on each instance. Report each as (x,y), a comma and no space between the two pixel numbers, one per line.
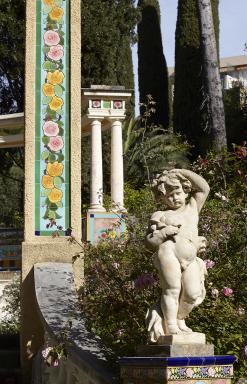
(176,350)
(58,304)
(183,338)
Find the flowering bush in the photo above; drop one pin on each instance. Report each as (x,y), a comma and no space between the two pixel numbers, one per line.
(121,282)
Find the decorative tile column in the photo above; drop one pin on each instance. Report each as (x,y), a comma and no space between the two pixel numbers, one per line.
(117,177)
(52,149)
(96,182)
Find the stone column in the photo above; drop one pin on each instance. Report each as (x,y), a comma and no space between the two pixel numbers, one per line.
(117,179)
(96,184)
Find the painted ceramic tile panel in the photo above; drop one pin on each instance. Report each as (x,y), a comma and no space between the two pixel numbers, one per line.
(52,115)
(200,372)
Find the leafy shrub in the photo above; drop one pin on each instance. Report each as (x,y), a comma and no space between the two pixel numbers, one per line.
(11,294)
(121,281)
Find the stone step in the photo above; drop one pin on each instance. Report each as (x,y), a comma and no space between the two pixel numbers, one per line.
(9,360)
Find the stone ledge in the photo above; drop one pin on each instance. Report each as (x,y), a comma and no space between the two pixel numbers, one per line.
(57,302)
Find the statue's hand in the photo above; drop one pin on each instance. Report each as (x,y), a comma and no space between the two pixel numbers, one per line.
(170,230)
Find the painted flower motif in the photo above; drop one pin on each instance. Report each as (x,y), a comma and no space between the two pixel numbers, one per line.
(50,128)
(118,104)
(214,293)
(189,372)
(48,89)
(55,52)
(47,182)
(55,195)
(55,77)
(211,371)
(56,13)
(227,292)
(112,235)
(56,103)
(96,103)
(51,38)
(50,3)
(54,169)
(209,263)
(55,143)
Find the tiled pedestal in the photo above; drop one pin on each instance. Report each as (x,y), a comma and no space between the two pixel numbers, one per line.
(177,370)
(101,225)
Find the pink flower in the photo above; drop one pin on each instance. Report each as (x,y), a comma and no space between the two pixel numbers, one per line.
(55,363)
(228,292)
(241,153)
(55,143)
(55,52)
(239,173)
(209,263)
(51,38)
(144,281)
(50,128)
(103,235)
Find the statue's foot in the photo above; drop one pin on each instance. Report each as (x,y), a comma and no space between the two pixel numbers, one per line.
(173,329)
(183,327)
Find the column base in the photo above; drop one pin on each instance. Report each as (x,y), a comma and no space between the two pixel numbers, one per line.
(174,370)
(96,208)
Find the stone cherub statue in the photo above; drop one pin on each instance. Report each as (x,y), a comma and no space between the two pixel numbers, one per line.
(173,234)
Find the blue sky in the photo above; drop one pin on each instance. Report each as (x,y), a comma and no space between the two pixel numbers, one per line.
(233,29)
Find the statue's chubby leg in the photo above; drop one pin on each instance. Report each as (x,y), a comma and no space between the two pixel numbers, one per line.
(170,278)
(191,290)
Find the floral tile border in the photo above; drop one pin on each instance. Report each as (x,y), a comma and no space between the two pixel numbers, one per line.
(52,116)
(206,372)
(178,373)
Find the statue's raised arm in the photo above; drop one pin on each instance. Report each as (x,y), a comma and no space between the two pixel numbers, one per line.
(199,187)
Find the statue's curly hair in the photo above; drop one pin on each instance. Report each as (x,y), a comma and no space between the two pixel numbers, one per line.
(169,180)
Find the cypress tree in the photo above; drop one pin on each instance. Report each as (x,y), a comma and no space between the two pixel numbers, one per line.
(190,102)
(152,68)
(107,34)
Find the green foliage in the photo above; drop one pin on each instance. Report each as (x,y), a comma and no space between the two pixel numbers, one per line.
(148,149)
(152,68)
(12,32)
(121,282)
(190,102)
(11,187)
(235,103)
(11,294)
(106,52)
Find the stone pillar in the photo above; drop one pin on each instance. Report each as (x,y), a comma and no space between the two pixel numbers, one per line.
(117,179)
(96,183)
(52,151)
